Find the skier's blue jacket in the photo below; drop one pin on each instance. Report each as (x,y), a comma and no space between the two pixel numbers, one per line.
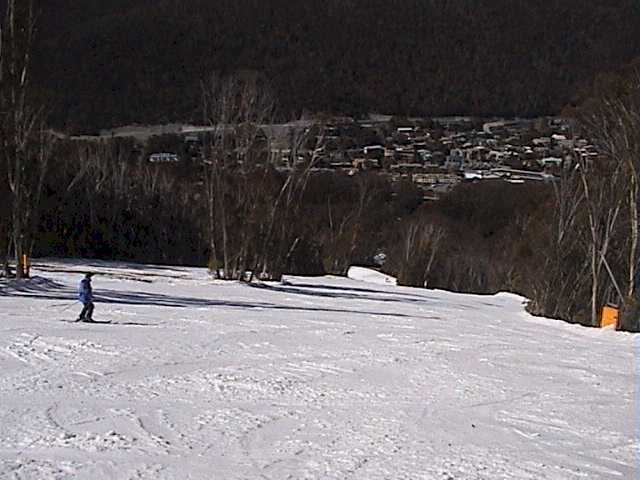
(85,294)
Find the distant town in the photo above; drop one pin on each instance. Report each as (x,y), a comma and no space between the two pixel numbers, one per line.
(434,153)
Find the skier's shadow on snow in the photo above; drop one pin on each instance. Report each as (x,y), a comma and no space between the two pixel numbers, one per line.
(126,324)
(348,293)
(31,285)
(56,291)
(161,300)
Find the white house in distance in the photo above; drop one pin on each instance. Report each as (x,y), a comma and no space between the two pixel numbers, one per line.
(164,157)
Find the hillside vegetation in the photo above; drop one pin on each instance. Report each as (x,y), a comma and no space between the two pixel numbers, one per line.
(117,62)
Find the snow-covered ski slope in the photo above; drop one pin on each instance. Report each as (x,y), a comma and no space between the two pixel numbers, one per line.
(314,378)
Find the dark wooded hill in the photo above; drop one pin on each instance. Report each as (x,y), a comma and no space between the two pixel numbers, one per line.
(109,62)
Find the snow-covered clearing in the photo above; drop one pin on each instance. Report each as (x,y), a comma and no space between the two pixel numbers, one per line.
(319,378)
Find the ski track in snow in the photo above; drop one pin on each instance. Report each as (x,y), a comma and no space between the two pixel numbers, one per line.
(312,378)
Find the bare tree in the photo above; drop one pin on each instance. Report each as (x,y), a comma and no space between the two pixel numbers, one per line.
(565,271)
(612,120)
(420,248)
(343,233)
(235,106)
(603,203)
(26,145)
(338,224)
(103,169)
(280,239)
(252,208)
(366,189)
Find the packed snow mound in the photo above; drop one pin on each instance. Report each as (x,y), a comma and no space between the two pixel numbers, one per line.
(316,378)
(369,275)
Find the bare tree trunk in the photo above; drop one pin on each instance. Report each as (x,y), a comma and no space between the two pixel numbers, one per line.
(211,211)
(222,215)
(18,241)
(633,250)
(612,119)
(409,249)
(435,237)
(603,207)
(366,191)
(595,275)
(279,241)
(236,106)
(19,120)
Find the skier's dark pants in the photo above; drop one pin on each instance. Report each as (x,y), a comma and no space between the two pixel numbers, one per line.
(87,311)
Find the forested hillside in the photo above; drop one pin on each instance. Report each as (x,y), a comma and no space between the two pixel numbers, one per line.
(103,63)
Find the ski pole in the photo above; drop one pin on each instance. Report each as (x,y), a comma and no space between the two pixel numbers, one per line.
(65,305)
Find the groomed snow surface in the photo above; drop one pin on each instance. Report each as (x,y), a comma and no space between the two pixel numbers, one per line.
(312,378)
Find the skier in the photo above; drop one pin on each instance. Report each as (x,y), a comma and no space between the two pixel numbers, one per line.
(85,296)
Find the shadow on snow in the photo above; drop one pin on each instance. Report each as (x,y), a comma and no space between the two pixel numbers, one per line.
(44,289)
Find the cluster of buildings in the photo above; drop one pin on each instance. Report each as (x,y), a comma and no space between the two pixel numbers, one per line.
(433,153)
(438,153)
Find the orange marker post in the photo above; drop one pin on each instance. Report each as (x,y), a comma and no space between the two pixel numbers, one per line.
(609,316)
(25,266)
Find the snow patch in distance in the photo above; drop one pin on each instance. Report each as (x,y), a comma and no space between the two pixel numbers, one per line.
(370,276)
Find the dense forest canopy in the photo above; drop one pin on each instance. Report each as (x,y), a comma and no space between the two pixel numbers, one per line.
(110,62)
